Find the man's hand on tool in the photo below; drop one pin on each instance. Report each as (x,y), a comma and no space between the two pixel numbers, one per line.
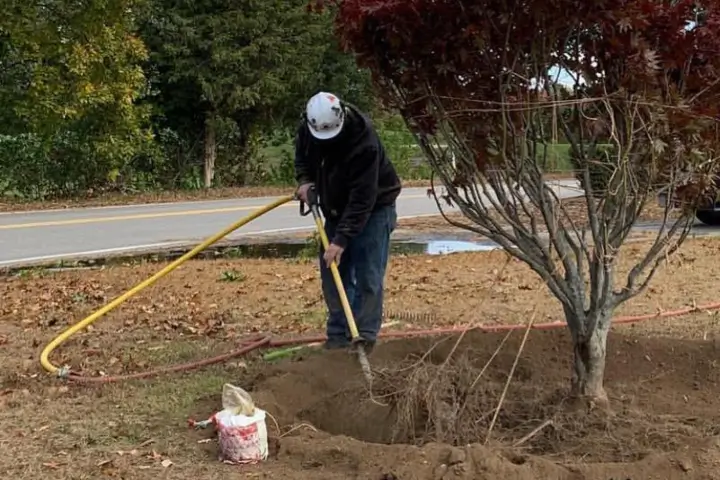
(333,252)
(302,191)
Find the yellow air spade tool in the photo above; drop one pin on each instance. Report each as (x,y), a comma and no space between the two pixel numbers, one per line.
(357,340)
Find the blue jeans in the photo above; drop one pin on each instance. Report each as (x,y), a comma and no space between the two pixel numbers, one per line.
(362,269)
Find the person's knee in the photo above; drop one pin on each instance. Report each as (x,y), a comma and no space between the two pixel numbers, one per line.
(372,280)
(371,272)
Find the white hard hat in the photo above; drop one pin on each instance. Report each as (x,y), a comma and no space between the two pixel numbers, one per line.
(325,115)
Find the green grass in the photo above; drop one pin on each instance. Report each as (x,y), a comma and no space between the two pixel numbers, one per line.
(407,157)
(558,158)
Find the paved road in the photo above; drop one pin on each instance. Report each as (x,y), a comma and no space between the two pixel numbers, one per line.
(33,237)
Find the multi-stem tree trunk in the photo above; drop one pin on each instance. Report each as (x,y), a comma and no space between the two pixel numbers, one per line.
(589,355)
(242,168)
(210,151)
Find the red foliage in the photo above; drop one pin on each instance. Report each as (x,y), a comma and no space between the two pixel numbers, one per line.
(469,55)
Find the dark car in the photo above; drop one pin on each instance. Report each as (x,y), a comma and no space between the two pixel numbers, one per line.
(708,212)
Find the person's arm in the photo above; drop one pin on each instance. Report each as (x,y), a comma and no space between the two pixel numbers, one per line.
(363,187)
(304,166)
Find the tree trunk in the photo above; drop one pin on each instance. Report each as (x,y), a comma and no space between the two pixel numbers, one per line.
(210,153)
(589,365)
(245,152)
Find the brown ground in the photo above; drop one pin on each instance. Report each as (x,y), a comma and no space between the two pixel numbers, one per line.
(576,209)
(662,375)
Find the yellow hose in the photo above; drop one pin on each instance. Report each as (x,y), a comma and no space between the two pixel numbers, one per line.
(60,339)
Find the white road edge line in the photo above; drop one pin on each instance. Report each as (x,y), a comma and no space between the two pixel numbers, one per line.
(60,256)
(159,245)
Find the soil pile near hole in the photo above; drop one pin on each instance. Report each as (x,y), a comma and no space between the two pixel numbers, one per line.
(665,396)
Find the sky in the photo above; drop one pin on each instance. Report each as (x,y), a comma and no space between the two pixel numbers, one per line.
(565,78)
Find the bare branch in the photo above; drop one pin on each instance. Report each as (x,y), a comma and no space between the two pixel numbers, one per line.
(488,120)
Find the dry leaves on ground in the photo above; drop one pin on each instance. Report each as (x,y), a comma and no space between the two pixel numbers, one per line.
(575,208)
(283,297)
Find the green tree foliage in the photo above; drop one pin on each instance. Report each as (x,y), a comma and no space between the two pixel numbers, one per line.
(340,73)
(138,94)
(226,71)
(70,77)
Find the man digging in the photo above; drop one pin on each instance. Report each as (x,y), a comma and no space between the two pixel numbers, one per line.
(339,154)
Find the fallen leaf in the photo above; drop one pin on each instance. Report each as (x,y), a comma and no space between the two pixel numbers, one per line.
(132,452)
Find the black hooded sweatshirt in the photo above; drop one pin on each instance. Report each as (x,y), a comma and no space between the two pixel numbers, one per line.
(351,173)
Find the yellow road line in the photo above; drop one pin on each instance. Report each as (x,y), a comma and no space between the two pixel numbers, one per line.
(117,218)
(144,216)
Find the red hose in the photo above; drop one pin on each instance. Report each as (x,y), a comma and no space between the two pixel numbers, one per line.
(267,342)
(247,348)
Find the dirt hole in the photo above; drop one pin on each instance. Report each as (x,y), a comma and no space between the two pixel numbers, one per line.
(420,396)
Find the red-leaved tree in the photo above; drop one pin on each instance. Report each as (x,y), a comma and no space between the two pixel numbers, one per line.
(476,82)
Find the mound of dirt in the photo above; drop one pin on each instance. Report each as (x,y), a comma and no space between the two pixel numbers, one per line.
(432,403)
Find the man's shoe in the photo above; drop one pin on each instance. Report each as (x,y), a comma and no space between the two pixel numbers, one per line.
(366,345)
(336,344)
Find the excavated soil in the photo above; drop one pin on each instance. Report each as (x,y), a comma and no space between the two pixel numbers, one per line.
(665,396)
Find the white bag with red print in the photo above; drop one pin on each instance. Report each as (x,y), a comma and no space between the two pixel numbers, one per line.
(242,433)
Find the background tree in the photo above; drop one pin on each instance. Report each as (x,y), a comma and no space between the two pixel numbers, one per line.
(474,76)
(228,70)
(69,78)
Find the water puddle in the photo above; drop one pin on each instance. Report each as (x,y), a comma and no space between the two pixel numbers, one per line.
(441,247)
(281,250)
(297,250)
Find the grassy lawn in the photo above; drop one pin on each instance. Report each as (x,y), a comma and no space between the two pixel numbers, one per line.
(558,158)
(409,161)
